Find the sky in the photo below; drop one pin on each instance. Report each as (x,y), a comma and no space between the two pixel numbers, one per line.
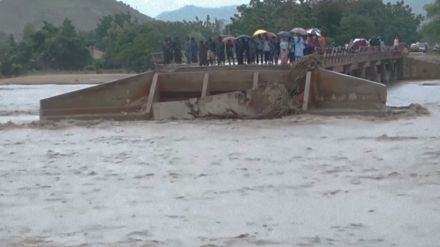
(155,7)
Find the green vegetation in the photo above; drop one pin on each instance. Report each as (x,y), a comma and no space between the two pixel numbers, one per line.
(48,48)
(338,19)
(432,28)
(128,43)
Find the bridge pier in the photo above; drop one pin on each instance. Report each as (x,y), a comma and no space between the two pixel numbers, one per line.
(387,74)
(397,70)
(362,71)
(376,73)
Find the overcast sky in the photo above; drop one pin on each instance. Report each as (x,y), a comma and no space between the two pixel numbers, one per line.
(154,7)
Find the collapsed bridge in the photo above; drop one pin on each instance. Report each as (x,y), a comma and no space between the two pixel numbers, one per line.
(337,81)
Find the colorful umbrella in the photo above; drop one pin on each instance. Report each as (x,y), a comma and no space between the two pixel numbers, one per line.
(299,30)
(260,32)
(360,42)
(226,39)
(270,35)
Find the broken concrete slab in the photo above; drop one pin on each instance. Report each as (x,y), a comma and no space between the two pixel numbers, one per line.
(270,101)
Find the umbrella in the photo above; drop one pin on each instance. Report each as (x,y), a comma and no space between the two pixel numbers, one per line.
(314,31)
(299,30)
(270,35)
(243,36)
(260,32)
(226,39)
(284,34)
(360,42)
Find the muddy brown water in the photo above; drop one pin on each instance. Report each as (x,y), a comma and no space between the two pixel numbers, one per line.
(296,181)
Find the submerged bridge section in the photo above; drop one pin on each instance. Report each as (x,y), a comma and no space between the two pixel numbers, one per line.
(335,80)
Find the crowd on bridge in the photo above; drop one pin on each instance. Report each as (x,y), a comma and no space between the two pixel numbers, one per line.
(262,48)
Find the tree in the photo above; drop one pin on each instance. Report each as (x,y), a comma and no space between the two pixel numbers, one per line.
(355,26)
(70,51)
(328,14)
(10,60)
(432,28)
(272,15)
(401,21)
(106,23)
(48,48)
(340,20)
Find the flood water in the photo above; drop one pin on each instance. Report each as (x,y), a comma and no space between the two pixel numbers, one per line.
(301,180)
(21,103)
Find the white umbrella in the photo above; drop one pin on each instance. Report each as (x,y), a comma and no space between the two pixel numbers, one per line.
(358,40)
(314,31)
(299,30)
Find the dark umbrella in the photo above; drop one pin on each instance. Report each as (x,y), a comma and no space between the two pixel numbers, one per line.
(243,36)
(284,34)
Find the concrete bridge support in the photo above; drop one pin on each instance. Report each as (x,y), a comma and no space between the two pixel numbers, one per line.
(376,73)
(334,92)
(412,68)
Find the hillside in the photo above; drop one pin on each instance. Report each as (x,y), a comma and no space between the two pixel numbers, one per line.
(190,12)
(85,14)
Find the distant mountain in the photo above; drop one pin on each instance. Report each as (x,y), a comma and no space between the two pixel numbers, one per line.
(416,5)
(85,14)
(190,12)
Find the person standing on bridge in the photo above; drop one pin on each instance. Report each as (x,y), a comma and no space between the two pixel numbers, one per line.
(167,50)
(275,49)
(203,54)
(292,50)
(220,51)
(188,50)
(299,47)
(230,52)
(284,50)
(252,51)
(260,47)
(266,49)
(239,51)
(194,50)
(396,43)
(177,50)
(322,44)
(310,45)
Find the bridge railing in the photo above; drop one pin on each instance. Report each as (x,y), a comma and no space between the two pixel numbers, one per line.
(338,56)
(334,56)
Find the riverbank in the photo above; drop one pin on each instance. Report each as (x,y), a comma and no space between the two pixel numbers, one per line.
(63,79)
